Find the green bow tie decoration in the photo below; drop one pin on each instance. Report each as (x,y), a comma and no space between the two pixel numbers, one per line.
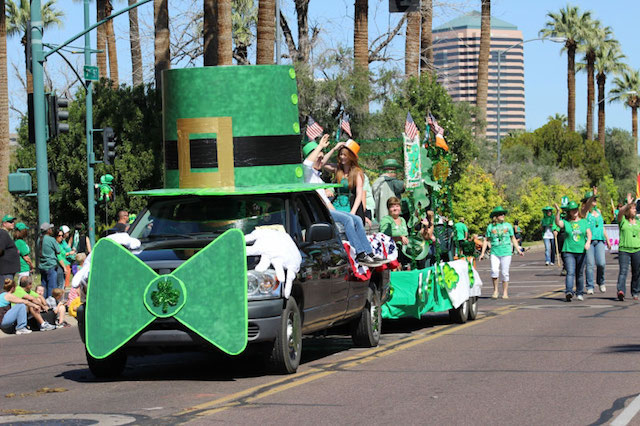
(207,294)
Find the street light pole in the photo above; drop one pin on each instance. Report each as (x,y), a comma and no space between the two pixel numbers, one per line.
(91,212)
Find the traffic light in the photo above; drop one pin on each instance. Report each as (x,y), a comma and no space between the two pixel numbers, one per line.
(108,145)
(57,115)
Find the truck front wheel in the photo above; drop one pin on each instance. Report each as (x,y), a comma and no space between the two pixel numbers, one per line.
(109,367)
(287,348)
(366,329)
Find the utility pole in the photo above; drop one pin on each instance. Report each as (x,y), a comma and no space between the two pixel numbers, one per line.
(37,61)
(91,202)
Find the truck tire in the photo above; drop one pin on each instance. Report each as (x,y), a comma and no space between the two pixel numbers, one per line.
(473,308)
(460,314)
(109,367)
(366,329)
(287,348)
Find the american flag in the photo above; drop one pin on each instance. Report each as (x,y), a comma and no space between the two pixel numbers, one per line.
(313,129)
(344,125)
(410,128)
(433,123)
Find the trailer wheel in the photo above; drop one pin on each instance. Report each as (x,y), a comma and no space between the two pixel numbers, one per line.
(460,314)
(473,308)
(287,348)
(366,328)
(109,367)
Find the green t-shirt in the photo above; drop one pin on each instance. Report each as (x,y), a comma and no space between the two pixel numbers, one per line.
(499,236)
(24,250)
(19,292)
(461,229)
(50,251)
(629,236)
(389,227)
(575,235)
(596,224)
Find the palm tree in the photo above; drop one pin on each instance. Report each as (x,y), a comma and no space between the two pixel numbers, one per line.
(627,89)
(134,40)
(18,17)
(569,23)
(224,31)
(426,38)
(266,31)
(482,87)
(361,34)
(4,112)
(162,53)
(412,44)
(594,36)
(101,39)
(111,46)
(210,37)
(244,16)
(609,60)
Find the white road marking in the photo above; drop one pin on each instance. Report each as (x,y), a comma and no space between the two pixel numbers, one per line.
(628,413)
(102,419)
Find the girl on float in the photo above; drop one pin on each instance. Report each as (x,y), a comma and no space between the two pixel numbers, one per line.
(577,241)
(501,239)
(629,249)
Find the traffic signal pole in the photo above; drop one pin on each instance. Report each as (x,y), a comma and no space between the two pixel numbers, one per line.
(37,61)
(91,202)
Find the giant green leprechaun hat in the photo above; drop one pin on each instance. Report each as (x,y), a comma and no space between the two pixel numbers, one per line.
(231,130)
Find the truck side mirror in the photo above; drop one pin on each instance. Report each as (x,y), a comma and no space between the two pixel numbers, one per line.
(319,232)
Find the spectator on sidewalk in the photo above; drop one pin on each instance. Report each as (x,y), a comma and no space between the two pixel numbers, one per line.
(38,313)
(26,264)
(47,250)
(13,310)
(58,307)
(9,257)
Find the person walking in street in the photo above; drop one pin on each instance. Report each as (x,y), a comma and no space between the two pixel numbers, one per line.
(9,257)
(629,249)
(460,235)
(576,242)
(501,239)
(47,251)
(595,254)
(547,222)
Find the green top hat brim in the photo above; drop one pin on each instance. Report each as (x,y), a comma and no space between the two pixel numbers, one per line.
(545,208)
(237,190)
(391,163)
(587,195)
(571,205)
(498,211)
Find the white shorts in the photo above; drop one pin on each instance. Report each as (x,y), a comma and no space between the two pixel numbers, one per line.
(500,264)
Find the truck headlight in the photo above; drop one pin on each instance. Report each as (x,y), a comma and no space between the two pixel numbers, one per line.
(262,285)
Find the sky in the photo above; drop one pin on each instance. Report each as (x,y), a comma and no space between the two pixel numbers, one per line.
(545,66)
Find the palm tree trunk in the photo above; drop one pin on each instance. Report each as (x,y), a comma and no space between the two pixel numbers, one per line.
(634,125)
(590,94)
(101,39)
(225,45)
(111,47)
(134,40)
(412,45)
(601,93)
(304,47)
(482,88)
(571,85)
(5,150)
(162,54)
(361,34)
(426,37)
(210,33)
(266,32)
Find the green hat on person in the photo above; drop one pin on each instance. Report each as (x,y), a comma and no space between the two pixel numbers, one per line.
(545,208)
(8,218)
(391,163)
(572,205)
(308,148)
(20,226)
(587,195)
(498,211)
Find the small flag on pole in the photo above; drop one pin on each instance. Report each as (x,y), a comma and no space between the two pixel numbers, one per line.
(344,125)
(313,129)
(410,128)
(433,123)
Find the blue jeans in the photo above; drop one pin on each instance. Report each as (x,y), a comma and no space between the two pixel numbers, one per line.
(17,316)
(624,259)
(549,250)
(595,257)
(574,263)
(354,229)
(49,280)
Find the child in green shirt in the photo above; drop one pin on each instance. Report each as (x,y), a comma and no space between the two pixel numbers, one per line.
(576,242)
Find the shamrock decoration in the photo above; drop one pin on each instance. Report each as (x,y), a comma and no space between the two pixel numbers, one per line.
(166,295)
(450,277)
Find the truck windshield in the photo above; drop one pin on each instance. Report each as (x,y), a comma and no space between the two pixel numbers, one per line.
(192,216)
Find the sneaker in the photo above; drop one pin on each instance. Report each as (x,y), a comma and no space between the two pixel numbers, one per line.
(580,297)
(23,330)
(564,272)
(590,291)
(551,263)
(366,260)
(602,288)
(45,326)
(546,263)
(380,259)
(568,297)
(621,296)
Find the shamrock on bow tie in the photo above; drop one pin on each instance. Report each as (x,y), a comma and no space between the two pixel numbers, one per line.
(207,294)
